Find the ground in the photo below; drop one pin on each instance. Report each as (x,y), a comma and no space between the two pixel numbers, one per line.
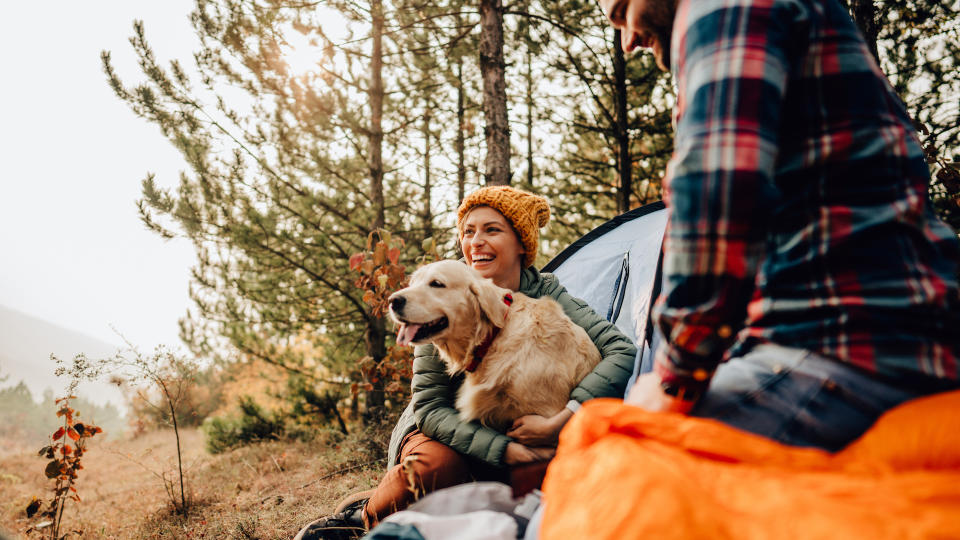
(266,490)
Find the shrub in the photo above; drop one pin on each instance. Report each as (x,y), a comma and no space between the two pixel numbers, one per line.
(252,425)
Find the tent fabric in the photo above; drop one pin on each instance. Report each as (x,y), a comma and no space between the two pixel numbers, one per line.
(614,269)
(590,267)
(623,472)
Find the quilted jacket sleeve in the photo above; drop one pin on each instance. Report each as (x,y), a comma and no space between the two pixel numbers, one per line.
(434,393)
(618,353)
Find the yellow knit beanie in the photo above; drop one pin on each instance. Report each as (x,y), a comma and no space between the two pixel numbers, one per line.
(525,211)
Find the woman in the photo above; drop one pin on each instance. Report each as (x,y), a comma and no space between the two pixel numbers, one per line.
(498,228)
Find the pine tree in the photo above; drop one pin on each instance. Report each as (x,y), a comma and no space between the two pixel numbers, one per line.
(614,119)
(493,72)
(289,174)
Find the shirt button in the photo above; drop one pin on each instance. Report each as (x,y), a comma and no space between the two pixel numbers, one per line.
(724,331)
(700,374)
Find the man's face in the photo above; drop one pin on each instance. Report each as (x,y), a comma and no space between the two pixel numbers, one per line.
(643,23)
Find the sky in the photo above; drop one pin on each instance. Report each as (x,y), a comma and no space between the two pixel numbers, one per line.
(72,248)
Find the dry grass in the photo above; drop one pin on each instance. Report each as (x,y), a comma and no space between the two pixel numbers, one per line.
(266,490)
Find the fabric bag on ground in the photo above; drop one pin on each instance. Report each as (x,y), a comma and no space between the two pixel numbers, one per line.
(622,472)
(473,511)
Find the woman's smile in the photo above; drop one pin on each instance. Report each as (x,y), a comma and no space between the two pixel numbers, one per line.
(491,246)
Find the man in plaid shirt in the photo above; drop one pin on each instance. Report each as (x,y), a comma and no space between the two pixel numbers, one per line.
(801,256)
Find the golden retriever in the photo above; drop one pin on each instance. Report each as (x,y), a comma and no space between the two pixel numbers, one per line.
(520,356)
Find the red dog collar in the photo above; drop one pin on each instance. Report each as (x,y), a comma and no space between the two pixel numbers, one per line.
(482,349)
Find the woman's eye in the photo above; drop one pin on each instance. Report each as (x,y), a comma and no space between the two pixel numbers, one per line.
(437,284)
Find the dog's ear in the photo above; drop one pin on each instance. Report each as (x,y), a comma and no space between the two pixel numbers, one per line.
(491,300)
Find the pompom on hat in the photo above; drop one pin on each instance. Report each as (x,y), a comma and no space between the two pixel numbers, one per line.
(526,212)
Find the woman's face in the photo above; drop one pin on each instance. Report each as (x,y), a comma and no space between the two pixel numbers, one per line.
(491,246)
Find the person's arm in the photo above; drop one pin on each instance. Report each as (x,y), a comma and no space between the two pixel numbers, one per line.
(433,398)
(731,65)
(617,353)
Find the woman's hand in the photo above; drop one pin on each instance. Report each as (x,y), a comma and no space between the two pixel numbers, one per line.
(517,453)
(648,394)
(536,430)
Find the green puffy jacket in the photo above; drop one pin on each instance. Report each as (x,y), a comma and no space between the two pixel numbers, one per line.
(434,392)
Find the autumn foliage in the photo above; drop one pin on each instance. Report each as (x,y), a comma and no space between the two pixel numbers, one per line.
(380,270)
(380,275)
(65,452)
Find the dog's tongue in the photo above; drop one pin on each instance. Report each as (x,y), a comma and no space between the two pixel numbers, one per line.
(406,332)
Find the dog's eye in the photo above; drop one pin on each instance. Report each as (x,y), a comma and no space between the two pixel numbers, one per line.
(437,284)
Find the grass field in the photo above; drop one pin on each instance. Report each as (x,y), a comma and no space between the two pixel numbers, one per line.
(266,490)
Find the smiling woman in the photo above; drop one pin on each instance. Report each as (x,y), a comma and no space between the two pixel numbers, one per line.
(492,247)
(499,229)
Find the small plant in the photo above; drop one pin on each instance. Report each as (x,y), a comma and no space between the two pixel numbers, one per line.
(172,376)
(65,461)
(394,372)
(381,274)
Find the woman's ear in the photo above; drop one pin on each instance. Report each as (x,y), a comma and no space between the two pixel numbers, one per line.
(491,301)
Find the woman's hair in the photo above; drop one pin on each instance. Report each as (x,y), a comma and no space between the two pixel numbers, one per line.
(525,212)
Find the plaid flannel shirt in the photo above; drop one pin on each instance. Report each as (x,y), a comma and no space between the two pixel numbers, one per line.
(797,196)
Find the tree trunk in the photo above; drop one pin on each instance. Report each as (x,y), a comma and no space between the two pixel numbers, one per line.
(492,66)
(461,136)
(624,163)
(376,114)
(375,335)
(427,188)
(529,115)
(865,15)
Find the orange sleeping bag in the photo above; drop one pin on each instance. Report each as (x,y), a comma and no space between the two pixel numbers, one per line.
(621,472)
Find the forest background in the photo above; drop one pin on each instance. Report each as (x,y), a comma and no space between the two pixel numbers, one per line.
(310,128)
(328,144)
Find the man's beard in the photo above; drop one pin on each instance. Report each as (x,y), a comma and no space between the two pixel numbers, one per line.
(662,53)
(660,19)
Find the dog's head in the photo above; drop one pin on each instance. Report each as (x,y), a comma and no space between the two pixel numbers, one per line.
(446,300)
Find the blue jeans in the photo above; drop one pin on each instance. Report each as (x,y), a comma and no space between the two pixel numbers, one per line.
(799,398)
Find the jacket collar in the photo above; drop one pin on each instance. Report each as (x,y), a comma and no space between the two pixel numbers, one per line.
(530,281)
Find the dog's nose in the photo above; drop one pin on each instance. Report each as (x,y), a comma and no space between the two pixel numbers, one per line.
(397,304)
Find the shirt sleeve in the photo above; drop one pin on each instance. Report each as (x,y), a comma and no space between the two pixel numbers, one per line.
(730,60)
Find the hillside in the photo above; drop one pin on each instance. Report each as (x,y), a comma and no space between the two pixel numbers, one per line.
(266,490)
(26,344)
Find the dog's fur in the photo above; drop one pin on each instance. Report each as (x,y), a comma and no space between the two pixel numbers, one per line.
(532,365)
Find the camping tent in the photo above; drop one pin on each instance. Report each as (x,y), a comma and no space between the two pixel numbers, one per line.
(616,270)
